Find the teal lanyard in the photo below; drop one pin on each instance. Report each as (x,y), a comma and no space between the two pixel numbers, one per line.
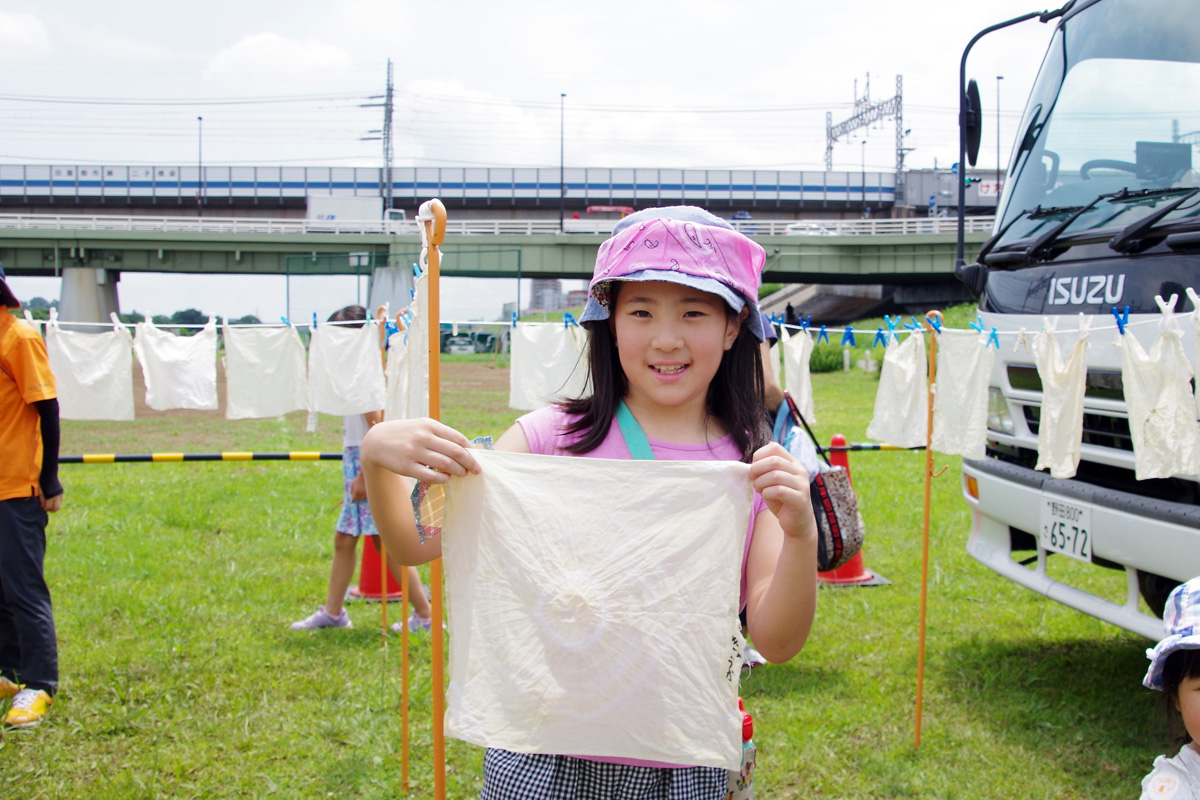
(635,439)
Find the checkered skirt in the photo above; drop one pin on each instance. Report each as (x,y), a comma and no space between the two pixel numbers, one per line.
(537,776)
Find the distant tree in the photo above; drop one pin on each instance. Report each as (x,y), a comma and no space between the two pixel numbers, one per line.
(133,317)
(189,316)
(42,313)
(38,302)
(159,319)
(249,319)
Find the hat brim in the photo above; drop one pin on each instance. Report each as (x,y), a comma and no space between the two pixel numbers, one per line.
(1158,657)
(594,311)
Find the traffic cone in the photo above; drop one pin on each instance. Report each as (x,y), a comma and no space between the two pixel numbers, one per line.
(368,577)
(853,572)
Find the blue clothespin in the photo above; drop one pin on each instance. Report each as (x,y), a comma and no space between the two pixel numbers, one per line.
(805,322)
(891,332)
(285,321)
(514,319)
(978,324)
(848,337)
(936,322)
(389,328)
(314,320)
(913,326)
(569,320)
(412,295)
(1122,318)
(993,339)
(823,335)
(881,338)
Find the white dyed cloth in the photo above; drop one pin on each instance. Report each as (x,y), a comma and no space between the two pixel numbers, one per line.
(179,371)
(960,394)
(797,380)
(345,370)
(593,606)
(902,400)
(408,362)
(265,372)
(1060,425)
(547,364)
(93,372)
(1161,405)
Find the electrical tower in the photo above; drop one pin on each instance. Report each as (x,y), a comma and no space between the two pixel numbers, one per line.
(866,113)
(385,177)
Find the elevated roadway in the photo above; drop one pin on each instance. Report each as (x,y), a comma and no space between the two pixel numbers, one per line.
(89,251)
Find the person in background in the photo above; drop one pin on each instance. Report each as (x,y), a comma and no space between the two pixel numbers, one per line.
(1175,671)
(355,521)
(29,491)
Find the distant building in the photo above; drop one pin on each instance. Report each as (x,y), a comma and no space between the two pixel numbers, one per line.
(577,298)
(547,295)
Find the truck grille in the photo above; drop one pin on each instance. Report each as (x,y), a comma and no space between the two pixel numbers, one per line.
(1098,429)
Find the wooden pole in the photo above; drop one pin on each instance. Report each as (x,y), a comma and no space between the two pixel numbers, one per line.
(932,374)
(433,216)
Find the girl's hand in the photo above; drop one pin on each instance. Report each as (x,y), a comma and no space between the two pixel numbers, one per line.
(423,449)
(358,488)
(783,484)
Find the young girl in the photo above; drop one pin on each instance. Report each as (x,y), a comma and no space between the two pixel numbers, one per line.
(355,521)
(1175,671)
(674,336)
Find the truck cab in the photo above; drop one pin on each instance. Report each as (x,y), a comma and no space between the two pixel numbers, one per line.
(1101,211)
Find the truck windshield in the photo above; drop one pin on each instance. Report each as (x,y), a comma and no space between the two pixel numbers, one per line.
(1114,114)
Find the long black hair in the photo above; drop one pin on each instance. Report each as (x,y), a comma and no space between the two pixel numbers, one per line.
(735,394)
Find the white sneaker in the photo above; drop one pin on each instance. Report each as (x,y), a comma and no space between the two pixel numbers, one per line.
(321,619)
(752,658)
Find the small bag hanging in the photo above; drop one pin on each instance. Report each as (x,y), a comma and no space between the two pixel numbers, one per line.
(840,527)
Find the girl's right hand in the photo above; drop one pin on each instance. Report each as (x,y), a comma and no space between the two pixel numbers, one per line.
(423,449)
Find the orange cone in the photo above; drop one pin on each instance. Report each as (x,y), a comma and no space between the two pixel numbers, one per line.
(853,572)
(368,577)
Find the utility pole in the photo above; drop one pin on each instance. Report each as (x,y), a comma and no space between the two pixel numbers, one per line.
(999,166)
(386,187)
(866,113)
(199,166)
(562,185)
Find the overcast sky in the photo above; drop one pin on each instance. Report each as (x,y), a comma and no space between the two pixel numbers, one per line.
(695,84)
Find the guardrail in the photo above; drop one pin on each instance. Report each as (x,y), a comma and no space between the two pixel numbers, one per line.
(239,225)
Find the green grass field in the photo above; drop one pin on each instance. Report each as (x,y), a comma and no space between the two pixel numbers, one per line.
(174,585)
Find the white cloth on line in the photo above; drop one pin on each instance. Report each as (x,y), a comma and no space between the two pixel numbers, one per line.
(593,606)
(797,353)
(1060,424)
(407,371)
(775,353)
(345,370)
(1161,406)
(265,372)
(902,400)
(960,393)
(547,364)
(93,372)
(179,371)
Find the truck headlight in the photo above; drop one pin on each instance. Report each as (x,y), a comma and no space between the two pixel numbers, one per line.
(999,419)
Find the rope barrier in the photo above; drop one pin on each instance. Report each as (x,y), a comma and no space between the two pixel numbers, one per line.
(167,458)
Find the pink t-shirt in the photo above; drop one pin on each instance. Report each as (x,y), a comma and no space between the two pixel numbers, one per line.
(544,431)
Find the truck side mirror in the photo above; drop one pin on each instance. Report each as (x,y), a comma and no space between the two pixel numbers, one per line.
(972,121)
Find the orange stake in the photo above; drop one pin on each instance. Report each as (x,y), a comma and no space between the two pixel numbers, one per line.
(932,315)
(433,217)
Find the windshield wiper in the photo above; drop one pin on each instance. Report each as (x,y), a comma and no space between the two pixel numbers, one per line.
(1041,245)
(1130,238)
(995,237)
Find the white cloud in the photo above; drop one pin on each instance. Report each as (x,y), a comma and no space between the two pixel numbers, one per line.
(268,58)
(23,34)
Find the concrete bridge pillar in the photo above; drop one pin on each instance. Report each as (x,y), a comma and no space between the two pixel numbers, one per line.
(89,294)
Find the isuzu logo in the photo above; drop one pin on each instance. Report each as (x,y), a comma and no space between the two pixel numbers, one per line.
(1087,290)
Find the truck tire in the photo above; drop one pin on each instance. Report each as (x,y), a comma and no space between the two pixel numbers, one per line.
(1155,589)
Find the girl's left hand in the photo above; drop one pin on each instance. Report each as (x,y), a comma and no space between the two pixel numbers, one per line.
(783,484)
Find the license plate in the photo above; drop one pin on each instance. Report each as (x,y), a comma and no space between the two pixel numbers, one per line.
(1066,528)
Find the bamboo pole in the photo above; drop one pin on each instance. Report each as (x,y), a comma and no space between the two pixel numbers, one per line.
(932,375)
(433,217)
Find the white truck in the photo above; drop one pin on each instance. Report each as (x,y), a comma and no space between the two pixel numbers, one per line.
(338,212)
(1101,210)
